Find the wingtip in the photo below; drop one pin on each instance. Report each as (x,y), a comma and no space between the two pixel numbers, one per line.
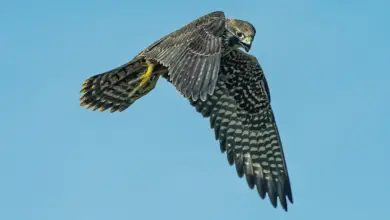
(272,194)
(283,202)
(290,198)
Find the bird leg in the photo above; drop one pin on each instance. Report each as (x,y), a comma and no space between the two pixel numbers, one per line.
(144,78)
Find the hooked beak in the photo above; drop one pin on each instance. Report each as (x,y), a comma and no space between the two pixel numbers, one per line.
(246,43)
(246,47)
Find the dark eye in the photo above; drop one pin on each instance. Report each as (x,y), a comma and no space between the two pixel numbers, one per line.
(239,34)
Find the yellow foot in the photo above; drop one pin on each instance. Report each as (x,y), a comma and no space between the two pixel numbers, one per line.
(144,78)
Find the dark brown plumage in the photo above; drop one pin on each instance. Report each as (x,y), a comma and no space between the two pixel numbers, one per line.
(242,118)
(203,61)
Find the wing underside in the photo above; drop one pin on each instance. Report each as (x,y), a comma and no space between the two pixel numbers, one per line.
(244,123)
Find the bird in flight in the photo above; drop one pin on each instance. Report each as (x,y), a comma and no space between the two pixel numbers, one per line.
(203,60)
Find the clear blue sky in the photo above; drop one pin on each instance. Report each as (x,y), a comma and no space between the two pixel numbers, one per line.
(327,63)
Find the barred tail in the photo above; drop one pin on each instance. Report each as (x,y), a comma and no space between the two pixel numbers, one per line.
(111,90)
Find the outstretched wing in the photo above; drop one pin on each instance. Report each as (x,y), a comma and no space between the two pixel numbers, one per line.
(244,123)
(192,55)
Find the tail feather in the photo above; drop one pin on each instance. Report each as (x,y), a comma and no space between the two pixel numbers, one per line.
(110,90)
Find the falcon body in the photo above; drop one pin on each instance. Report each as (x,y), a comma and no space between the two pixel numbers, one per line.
(203,62)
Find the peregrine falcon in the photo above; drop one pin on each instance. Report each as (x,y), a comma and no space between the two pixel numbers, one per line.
(203,60)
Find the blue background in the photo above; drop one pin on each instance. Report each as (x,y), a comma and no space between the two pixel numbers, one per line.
(327,63)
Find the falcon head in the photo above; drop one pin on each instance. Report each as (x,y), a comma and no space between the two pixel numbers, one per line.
(241,34)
